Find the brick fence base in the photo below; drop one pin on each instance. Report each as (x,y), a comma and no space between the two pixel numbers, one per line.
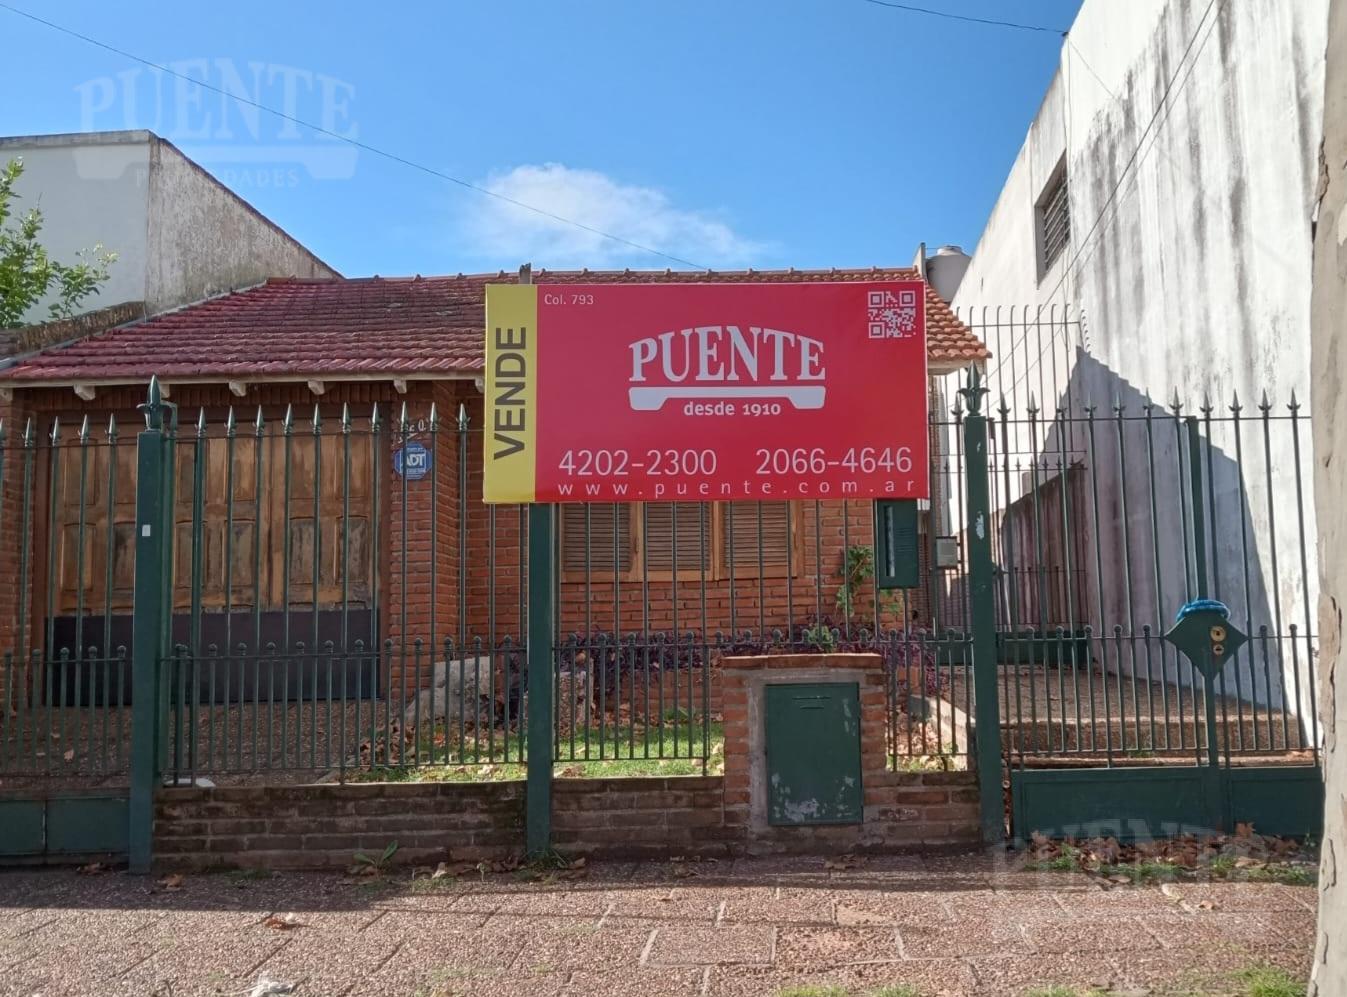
(323,826)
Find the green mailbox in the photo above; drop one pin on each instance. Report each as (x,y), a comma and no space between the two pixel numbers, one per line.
(897,546)
(813,741)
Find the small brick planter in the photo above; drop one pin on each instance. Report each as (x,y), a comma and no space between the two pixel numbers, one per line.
(901,809)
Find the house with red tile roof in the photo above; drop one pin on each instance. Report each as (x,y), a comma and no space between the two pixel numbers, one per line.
(299,518)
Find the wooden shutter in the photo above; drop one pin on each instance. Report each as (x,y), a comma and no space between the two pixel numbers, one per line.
(686,527)
(320,464)
(589,529)
(215,520)
(102,479)
(743,523)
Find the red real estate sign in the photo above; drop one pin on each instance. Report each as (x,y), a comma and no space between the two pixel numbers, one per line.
(704,392)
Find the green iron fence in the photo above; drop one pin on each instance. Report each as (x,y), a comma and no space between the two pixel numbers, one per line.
(1103,530)
(338,602)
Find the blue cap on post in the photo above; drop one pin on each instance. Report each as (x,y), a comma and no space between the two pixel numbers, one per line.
(1202,606)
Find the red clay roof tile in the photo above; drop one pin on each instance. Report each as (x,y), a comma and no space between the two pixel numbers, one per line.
(405,326)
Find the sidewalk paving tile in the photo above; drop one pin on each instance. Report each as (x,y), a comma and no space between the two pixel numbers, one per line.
(730,943)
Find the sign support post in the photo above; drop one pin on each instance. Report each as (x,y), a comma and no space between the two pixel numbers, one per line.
(540,650)
(541,630)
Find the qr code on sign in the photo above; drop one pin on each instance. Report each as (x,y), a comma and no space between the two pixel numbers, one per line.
(892,316)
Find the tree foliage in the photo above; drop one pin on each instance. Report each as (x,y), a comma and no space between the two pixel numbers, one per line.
(27,271)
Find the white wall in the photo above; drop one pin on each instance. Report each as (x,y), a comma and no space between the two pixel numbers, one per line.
(89,193)
(1188,266)
(179,235)
(204,239)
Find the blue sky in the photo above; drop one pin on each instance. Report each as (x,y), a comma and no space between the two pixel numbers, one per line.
(806,133)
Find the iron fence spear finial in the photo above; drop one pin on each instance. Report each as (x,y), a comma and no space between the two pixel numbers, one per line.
(973,390)
(153,406)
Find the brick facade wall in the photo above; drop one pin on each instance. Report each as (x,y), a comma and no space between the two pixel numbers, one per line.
(324,826)
(279,827)
(488,565)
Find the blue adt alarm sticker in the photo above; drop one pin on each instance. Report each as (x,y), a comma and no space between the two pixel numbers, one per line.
(412,461)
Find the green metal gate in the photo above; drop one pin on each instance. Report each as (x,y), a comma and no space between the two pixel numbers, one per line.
(1101,526)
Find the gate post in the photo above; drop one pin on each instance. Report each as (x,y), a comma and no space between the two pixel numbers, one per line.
(982,607)
(539,650)
(147,631)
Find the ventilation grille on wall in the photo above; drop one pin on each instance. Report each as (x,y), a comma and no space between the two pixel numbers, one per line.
(1054,220)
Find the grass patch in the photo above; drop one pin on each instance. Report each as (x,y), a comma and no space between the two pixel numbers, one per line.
(1223,866)
(671,748)
(924,763)
(901,990)
(1287,875)
(1143,872)
(248,875)
(1269,981)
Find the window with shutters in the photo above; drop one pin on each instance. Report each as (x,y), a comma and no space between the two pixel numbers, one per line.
(759,539)
(676,539)
(679,540)
(596,539)
(1053,218)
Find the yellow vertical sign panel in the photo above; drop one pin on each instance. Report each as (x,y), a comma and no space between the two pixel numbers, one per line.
(510,431)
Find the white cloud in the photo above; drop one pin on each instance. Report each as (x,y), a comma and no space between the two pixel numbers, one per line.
(501,231)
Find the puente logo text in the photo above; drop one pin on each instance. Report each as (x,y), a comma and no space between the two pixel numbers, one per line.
(727,361)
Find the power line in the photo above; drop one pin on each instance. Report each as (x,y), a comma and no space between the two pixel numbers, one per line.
(365,146)
(913,9)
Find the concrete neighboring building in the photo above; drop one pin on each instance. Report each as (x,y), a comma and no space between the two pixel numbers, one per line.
(179,234)
(1330,477)
(1153,236)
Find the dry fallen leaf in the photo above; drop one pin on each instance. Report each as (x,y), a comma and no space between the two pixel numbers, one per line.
(173,882)
(69,755)
(92,869)
(842,862)
(1208,905)
(1171,891)
(282,922)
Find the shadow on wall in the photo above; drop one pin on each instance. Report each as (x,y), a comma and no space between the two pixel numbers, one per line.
(1104,525)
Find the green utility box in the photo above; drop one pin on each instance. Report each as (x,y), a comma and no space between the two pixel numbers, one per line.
(814,754)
